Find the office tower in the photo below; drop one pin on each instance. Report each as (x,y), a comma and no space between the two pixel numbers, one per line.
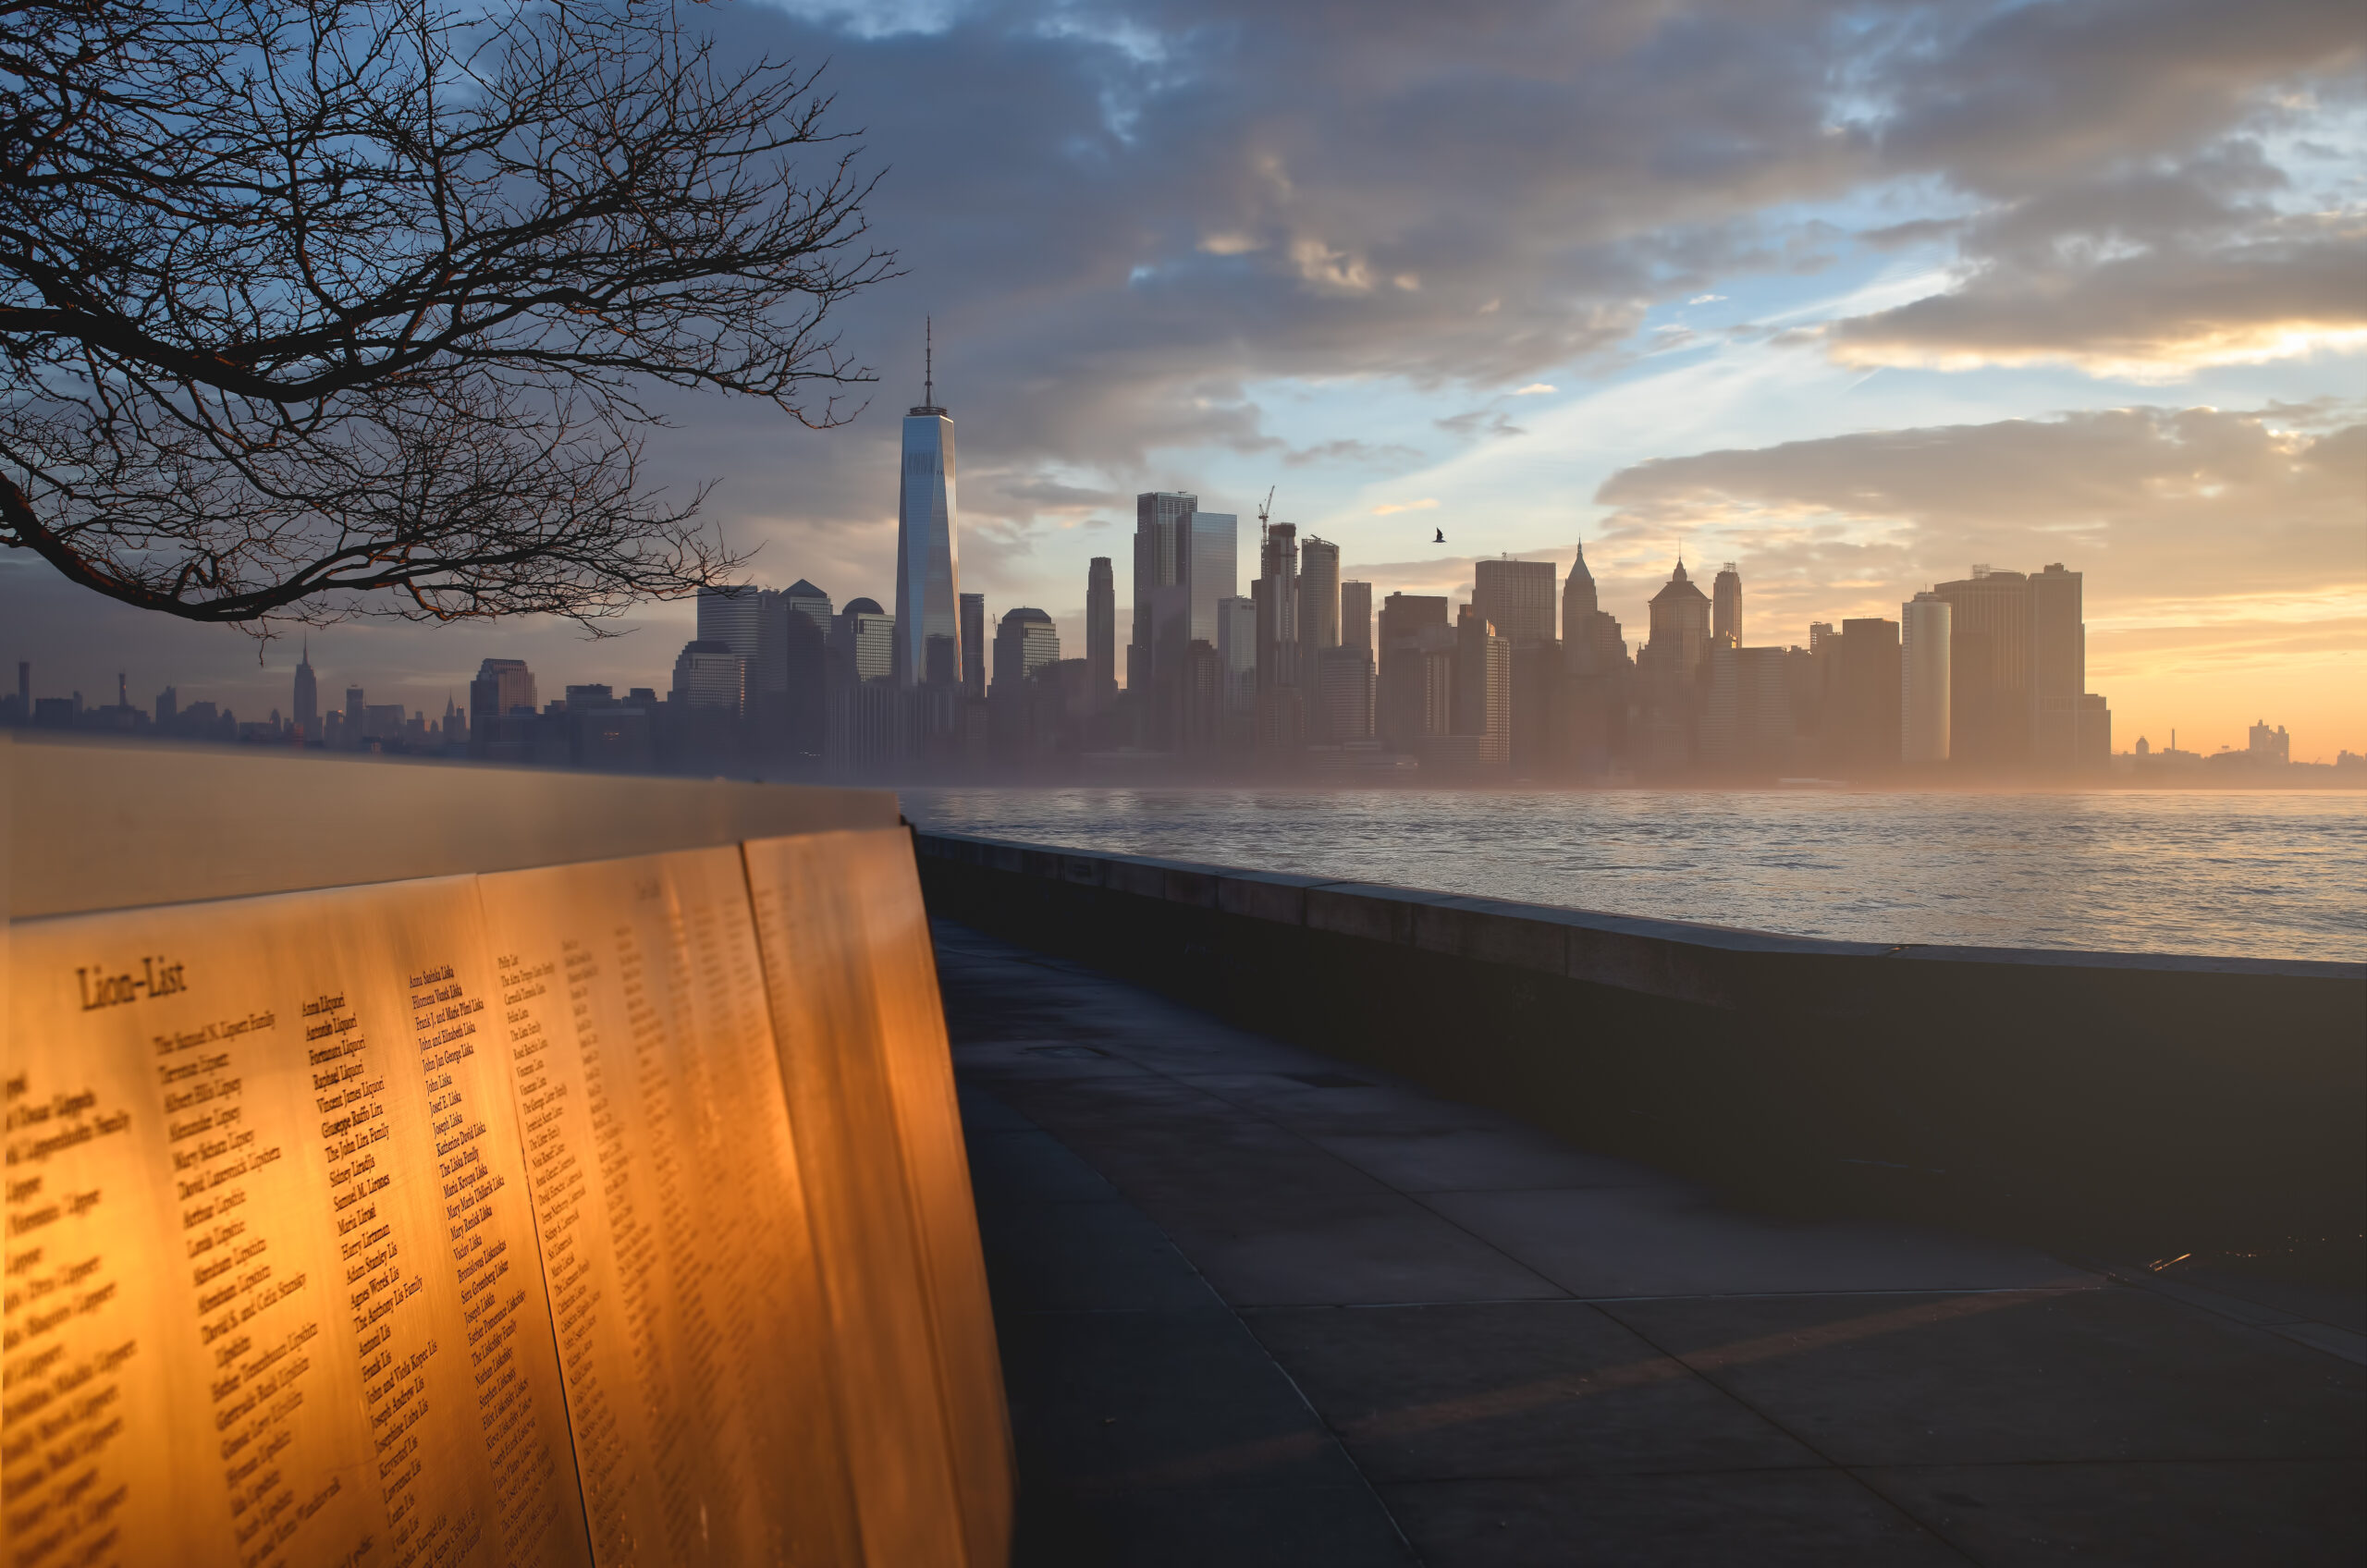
(1409,703)
(501,707)
(1482,716)
(307,703)
(1861,717)
(25,689)
(1725,606)
(1577,592)
(1925,625)
(1237,653)
(1024,642)
(710,675)
(1163,521)
(1680,634)
(730,616)
(2262,744)
(973,644)
(353,705)
(1820,633)
(1746,724)
(864,637)
(1988,668)
(1342,696)
(1517,598)
(2058,667)
(1355,617)
(1212,566)
(1318,595)
(1281,711)
(799,620)
(1100,633)
(2095,733)
(928,575)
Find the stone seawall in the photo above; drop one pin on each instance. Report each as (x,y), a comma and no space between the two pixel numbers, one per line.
(2131,1106)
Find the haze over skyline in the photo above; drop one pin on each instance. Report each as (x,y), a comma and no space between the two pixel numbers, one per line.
(1855,295)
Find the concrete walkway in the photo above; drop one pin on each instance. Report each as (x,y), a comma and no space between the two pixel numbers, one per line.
(1258,1306)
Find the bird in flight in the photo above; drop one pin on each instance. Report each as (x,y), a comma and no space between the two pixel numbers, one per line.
(1442,536)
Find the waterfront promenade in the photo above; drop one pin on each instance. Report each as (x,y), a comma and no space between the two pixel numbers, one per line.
(1257,1304)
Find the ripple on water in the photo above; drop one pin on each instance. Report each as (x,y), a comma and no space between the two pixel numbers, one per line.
(2271,874)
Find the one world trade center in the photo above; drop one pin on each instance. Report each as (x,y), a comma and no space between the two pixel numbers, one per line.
(928,586)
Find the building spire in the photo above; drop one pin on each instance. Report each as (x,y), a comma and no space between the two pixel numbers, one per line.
(929,360)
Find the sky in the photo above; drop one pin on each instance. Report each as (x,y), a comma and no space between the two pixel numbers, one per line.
(1853,295)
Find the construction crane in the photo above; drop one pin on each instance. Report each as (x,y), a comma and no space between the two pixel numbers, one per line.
(1265,513)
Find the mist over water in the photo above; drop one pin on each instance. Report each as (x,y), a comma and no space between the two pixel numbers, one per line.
(2267,875)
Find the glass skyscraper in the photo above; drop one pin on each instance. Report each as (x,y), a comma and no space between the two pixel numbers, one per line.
(928,573)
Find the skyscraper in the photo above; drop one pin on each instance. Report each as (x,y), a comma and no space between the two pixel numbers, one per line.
(804,624)
(1318,595)
(1680,636)
(864,636)
(1410,702)
(307,703)
(1517,598)
(1483,690)
(1212,566)
(1237,653)
(1725,606)
(1024,642)
(1925,625)
(1280,722)
(2058,667)
(1100,633)
(1861,718)
(1355,617)
(1577,593)
(973,644)
(1988,668)
(731,616)
(928,575)
(1162,559)
(502,705)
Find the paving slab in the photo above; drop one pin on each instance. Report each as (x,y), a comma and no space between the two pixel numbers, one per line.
(2013,1377)
(1668,1241)
(1491,1159)
(1536,1389)
(1807,1518)
(1261,1307)
(2296,1513)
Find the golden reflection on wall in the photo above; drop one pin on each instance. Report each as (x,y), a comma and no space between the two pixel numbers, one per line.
(453,1221)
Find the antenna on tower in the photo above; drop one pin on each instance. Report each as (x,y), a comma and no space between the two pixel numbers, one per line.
(929,360)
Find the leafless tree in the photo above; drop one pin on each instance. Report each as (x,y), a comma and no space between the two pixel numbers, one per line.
(310,308)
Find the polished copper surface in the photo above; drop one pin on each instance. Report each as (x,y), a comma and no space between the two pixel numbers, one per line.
(861,1034)
(272,1290)
(676,1253)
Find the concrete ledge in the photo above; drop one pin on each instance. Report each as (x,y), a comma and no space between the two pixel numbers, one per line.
(2116,1102)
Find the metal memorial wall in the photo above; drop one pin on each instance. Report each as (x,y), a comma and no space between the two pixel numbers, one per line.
(608,1212)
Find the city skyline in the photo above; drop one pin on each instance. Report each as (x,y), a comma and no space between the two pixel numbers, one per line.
(1978,679)
(1823,348)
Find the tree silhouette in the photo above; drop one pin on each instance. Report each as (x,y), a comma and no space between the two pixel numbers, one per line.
(312,308)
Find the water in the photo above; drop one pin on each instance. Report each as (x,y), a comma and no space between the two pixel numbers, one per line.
(2265,875)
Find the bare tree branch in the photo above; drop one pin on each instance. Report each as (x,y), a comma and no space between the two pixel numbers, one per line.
(316,307)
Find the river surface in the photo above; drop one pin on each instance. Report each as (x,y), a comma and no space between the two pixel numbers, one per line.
(2267,875)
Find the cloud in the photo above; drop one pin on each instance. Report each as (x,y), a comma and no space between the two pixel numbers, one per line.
(1139,227)
(1534,389)
(2159,505)
(1478,421)
(2150,275)
(1389,508)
